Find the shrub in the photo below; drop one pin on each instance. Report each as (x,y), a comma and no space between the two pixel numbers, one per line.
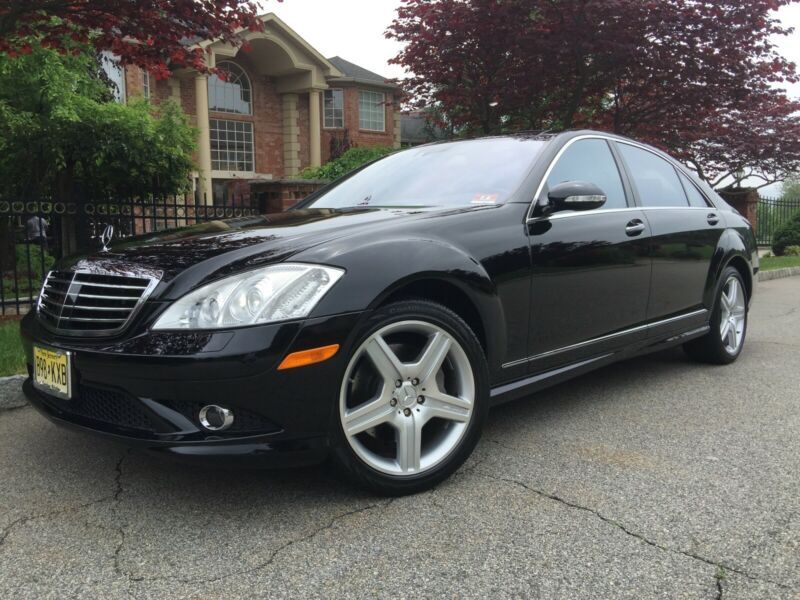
(787,235)
(792,251)
(350,160)
(29,274)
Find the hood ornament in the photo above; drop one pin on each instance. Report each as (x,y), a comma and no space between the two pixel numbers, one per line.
(105,237)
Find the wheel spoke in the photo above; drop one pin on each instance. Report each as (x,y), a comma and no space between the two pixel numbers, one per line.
(433,356)
(446,407)
(733,292)
(726,303)
(369,415)
(409,443)
(725,329)
(385,360)
(732,338)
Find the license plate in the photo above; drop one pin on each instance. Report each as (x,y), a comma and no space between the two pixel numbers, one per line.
(52,372)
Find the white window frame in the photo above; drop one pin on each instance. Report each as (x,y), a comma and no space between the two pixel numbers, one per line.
(243,150)
(146,84)
(333,116)
(366,121)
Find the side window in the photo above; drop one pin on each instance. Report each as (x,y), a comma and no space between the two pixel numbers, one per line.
(655,179)
(591,161)
(695,197)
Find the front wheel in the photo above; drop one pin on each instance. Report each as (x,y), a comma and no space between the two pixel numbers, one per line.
(413,399)
(724,342)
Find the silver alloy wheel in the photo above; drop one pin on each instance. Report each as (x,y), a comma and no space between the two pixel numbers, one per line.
(733,315)
(433,394)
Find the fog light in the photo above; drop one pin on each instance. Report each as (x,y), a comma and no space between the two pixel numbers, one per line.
(216,418)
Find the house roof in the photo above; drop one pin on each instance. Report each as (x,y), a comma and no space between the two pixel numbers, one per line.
(352,72)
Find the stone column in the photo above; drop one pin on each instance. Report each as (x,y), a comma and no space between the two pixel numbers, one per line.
(291,136)
(396,141)
(314,128)
(204,140)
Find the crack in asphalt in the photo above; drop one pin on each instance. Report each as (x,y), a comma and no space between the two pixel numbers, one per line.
(720,567)
(273,555)
(49,515)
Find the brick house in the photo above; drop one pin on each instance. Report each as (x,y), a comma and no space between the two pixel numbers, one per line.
(279,110)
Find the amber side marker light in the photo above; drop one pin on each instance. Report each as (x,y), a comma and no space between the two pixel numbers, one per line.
(308,357)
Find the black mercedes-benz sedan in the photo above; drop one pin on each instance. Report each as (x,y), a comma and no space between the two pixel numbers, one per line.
(377,321)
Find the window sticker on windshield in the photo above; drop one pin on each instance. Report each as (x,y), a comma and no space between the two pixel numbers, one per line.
(484,199)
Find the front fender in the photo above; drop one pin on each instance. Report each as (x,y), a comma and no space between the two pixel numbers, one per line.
(377,269)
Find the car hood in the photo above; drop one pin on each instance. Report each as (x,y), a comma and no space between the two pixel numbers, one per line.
(215,248)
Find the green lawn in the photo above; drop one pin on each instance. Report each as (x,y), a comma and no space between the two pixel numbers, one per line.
(770,263)
(12,360)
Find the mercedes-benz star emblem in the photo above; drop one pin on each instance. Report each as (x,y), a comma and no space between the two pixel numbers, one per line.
(106,236)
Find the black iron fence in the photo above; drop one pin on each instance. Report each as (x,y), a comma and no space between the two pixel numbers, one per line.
(771,214)
(35,233)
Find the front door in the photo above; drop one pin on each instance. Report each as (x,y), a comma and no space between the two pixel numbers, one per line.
(590,269)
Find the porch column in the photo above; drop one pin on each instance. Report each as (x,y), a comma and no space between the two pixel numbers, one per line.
(291,136)
(314,129)
(204,141)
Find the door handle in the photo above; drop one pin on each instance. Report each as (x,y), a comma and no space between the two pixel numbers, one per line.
(635,227)
(713,219)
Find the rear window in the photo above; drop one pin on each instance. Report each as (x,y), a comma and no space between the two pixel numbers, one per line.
(656,179)
(694,195)
(475,172)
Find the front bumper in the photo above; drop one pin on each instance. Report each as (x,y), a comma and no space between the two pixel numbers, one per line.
(146,390)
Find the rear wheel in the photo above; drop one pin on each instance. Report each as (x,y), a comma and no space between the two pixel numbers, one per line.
(724,342)
(413,399)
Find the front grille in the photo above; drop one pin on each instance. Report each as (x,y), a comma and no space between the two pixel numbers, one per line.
(80,303)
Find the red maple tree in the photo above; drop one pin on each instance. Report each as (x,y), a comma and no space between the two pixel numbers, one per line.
(153,34)
(695,78)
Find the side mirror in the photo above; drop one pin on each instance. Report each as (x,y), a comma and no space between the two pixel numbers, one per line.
(575,195)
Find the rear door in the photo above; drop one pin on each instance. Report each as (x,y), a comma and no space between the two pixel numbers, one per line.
(685,233)
(590,269)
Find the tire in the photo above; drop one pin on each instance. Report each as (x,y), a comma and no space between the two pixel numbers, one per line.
(413,399)
(724,342)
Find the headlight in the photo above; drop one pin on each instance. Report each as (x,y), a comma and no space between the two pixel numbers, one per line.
(275,293)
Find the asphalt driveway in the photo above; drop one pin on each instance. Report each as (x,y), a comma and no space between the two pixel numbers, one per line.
(652,478)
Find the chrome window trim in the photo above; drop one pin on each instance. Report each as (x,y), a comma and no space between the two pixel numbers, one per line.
(597,136)
(154,278)
(598,211)
(604,338)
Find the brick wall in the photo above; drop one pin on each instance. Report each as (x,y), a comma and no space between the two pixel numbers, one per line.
(277,196)
(357,136)
(133,81)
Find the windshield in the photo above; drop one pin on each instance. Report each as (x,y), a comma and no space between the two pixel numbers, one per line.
(485,171)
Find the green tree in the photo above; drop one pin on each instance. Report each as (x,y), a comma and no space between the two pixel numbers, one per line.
(791,188)
(60,129)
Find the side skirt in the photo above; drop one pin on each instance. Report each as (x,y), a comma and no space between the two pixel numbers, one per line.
(529,385)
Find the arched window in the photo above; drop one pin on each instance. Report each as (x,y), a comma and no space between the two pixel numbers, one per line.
(234,95)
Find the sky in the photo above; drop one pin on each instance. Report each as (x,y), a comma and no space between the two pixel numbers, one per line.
(351,29)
